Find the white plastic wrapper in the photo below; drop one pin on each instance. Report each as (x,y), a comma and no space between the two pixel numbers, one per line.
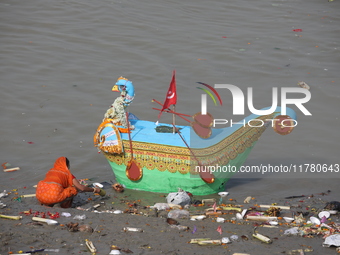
(333,240)
(178,198)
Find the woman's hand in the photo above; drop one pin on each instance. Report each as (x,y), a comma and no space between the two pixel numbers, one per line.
(96,190)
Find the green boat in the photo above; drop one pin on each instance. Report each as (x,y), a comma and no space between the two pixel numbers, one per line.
(168,161)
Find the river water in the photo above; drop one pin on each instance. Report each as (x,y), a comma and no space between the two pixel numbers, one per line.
(59,60)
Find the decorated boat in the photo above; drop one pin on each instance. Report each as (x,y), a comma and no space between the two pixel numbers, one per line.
(164,157)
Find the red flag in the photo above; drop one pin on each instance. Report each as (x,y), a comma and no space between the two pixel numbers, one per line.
(171,96)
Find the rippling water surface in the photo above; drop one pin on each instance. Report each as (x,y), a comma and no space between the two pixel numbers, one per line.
(59,60)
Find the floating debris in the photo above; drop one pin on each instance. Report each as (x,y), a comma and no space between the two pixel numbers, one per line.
(304,85)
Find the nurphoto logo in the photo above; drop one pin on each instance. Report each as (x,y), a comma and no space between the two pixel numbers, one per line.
(204,121)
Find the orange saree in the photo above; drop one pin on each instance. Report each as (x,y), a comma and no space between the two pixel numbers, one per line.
(57,185)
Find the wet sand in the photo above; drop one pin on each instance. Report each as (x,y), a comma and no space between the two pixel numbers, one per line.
(158,237)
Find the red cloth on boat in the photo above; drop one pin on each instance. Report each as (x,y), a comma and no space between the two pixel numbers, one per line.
(57,185)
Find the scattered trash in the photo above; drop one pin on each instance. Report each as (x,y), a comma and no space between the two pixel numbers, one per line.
(234,238)
(196,240)
(97,185)
(262,238)
(3,194)
(282,207)
(51,250)
(85,228)
(332,240)
(324,214)
(209,242)
(28,195)
(12,169)
(333,205)
(288,219)
(297,30)
(179,214)
(212,213)
(198,217)
(247,200)
(48,221)
(90,246)
(219,230)
(161,206)
(179,198)
(261,218)
(299,251)
(208,200)
(74,227)
(171,221)
(239,216)
(225,240)
(65,214)
(118,187)
(292,231)
(117,211)
(79,217)
(230,208)
(273,223)
(304,85)
(222,195)
(194,230)
(126,229)
(5,165)
(2,205)
(10,217)
(220,219)
(180,227)
(315,220)
(114,252)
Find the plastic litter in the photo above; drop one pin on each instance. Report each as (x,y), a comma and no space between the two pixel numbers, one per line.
(117,212)
(65,214)
(179,198)
(179,214)
(220,219)
(324,214)
(315,220)
(161,206)
(3,194)
(198,217)
(288,219)
(333,240)
(114,252)
(292,231)
(225,240)
(234,238)
(262,238)
(51,250)
(133,229)
(210,242)
(80,217)
(179,227)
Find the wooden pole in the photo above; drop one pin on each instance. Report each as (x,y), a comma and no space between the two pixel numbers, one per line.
(173,119)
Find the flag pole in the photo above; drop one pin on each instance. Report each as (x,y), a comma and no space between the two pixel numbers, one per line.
(173,119)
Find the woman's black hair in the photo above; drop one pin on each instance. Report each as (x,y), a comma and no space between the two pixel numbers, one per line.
(67,163)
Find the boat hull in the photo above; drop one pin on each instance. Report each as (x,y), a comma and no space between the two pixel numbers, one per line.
(157,180)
